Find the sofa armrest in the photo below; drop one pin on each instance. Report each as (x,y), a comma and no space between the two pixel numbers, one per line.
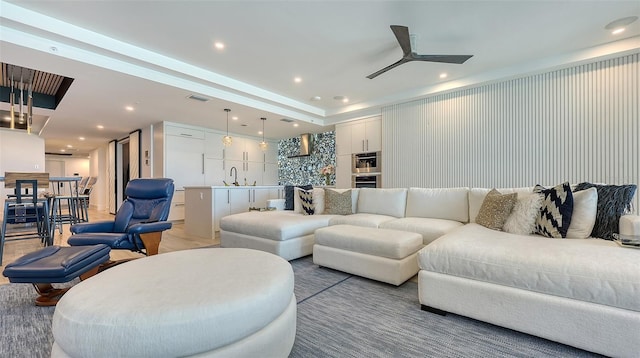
(630,225)
(276,203)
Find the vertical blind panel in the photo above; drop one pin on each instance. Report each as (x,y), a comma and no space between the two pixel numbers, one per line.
(134,155)
(575,124)
(111,176)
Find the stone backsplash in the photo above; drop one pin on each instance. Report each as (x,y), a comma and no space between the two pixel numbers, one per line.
(306,170)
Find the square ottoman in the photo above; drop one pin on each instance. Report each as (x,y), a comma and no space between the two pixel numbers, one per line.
(379,254)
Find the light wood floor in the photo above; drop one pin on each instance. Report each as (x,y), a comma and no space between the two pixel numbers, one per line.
(172,240)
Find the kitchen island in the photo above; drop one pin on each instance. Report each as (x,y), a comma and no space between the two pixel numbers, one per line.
(206,205)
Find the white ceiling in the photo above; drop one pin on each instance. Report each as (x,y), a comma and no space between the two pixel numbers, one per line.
(153,54)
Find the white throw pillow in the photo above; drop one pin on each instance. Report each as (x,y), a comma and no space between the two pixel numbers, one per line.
(318,200)
(583,218)
(523,217)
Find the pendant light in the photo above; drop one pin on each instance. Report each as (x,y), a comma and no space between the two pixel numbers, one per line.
(12,102)
(30,108)
(263,145)
(226,140)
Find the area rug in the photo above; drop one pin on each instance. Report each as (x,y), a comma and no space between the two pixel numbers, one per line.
(339,315)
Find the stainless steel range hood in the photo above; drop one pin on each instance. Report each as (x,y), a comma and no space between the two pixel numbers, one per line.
(306,145)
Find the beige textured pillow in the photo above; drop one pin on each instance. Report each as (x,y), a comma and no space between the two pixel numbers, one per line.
(336,203)
(495,209)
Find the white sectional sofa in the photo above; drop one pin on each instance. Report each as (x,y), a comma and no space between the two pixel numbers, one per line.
(581,292)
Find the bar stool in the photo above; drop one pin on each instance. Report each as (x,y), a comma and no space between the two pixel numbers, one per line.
(23,210)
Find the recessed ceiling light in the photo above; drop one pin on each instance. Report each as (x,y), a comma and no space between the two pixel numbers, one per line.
(315,98)
(235,118)
(260,132)
(443,75)
(81,138)
(69,146)
(219,45)
(297,79)
(62,150)
(295,124)
(100,126)
(129,108)
(343,99)
(617,26)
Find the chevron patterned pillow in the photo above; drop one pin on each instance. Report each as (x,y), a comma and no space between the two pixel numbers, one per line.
(554,216)
(306,199)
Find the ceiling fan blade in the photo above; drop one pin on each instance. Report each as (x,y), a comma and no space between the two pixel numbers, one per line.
(458,59)
(402,35)
(396,64)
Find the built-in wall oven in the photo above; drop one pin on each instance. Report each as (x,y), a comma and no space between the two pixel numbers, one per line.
(366,180)
(366,170)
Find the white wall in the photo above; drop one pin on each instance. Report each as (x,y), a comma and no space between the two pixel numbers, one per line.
(72,165)
(98,168)
(146,150)
(19,152)
(575,124)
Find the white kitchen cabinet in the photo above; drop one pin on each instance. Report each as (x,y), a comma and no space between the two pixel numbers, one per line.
(270,174)
(343,139)
(214,172)
(221,208)
(184,160)
(195,156)
(249,171)
(244,149)
(213,145)
(343,171)
(250,163)
(239,200)
(366,136)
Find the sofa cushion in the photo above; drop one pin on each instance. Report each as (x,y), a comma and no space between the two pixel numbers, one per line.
(391,202)
(495,209)
(289,195)
(583,218)
(438,203)
(591,270)
(338,203)
(377,242)
(555,213)
(613,202)
(476,197)
(274,225)
(361,219)
(522,220)
(430,229)
(306,201)
(318,201)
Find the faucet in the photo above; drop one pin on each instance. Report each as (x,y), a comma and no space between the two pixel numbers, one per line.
(236,176)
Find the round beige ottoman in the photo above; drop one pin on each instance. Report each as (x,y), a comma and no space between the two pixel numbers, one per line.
(202,302)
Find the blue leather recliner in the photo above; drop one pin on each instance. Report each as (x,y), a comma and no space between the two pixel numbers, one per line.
(139,222)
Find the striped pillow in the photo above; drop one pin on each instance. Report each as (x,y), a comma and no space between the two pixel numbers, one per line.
(306,199)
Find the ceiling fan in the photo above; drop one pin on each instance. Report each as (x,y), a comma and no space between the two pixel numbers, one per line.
(402,34)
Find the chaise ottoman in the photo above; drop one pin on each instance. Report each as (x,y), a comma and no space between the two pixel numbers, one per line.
(380,254)
(203,302)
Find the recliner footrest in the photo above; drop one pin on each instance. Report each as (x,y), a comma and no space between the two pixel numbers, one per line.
(55,264)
